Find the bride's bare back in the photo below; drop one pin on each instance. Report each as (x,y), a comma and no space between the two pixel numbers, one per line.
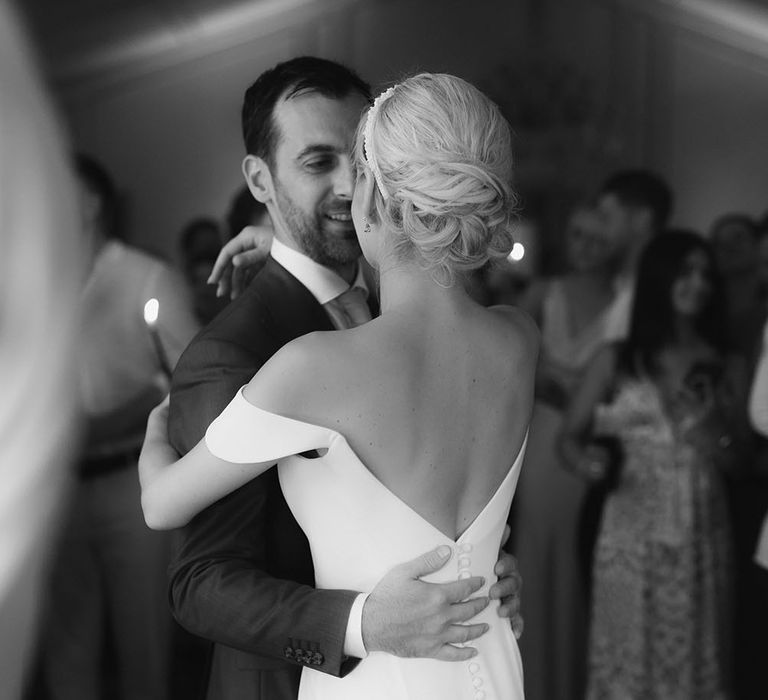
(434,399)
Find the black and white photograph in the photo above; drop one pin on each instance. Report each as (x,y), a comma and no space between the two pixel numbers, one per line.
(384,350)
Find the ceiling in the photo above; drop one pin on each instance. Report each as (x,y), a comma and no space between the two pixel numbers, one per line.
(78,39)
(69,29)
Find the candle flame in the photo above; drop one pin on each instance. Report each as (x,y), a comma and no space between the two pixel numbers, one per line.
(151,311)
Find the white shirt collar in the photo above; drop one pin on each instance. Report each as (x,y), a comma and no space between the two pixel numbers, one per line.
(322,282)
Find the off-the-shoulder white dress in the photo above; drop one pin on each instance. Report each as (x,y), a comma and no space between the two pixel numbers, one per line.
(358,530)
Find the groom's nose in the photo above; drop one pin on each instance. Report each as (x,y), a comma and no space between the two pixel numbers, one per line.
(344,179)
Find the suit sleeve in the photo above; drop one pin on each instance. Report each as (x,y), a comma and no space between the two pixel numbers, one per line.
(219,588)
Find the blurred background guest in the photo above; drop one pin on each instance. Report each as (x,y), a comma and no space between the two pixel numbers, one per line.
(634,206)
(758,415)
(734,240)
(40,271)
(761,237)
(244,210)
(667,394)
(199,243)
(571,311)
(748,492)
(109,573)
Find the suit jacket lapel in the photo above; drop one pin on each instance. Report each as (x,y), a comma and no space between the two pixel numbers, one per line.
(294,310)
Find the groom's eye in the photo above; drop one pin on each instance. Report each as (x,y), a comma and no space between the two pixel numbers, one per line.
(318,165)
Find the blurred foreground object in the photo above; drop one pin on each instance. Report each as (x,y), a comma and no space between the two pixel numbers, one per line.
(106,592)
(39,279)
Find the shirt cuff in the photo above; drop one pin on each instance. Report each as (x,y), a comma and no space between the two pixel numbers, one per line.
(353,639)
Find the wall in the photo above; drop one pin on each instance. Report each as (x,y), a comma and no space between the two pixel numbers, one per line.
(694,79)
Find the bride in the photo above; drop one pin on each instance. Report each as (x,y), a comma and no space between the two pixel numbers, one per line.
(407,432)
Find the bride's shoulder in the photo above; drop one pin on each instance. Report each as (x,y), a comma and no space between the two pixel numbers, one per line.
(518,327)
(299,375)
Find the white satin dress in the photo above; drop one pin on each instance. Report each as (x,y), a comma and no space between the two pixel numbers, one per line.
(358,530)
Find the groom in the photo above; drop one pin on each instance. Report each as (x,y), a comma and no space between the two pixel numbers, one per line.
(242,574)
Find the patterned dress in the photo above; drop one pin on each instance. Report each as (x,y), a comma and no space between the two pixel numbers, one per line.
(660,599)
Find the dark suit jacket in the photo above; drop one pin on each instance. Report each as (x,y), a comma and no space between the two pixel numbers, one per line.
(242,573)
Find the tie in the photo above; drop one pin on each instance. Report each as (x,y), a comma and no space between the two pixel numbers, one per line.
(349,309)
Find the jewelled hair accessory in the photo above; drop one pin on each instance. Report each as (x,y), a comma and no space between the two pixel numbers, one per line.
(368,139)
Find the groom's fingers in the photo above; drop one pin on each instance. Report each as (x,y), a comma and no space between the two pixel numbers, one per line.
(506,588)
(434,561)
(460,590)
(223,283)
(448,652)
(427,563)
(461,612)
(461,634)
(510,581)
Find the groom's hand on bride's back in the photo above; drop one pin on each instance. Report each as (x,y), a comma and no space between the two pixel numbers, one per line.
(408,617)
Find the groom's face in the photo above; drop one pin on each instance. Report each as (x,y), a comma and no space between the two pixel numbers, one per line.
(313,174)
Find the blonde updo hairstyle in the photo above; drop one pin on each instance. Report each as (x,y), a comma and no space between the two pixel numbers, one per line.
(441,153)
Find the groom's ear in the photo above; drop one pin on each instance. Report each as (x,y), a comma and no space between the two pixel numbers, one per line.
(258,178)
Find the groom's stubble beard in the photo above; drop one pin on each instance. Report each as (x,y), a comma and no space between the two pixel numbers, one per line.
(310,234)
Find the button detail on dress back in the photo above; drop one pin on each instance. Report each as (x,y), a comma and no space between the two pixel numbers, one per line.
(464,566)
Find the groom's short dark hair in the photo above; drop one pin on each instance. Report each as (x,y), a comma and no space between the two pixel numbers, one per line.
(303,74)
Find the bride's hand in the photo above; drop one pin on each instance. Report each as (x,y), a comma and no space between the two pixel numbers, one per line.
(239,259)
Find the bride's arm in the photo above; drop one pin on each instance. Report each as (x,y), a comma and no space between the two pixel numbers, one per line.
(174,489)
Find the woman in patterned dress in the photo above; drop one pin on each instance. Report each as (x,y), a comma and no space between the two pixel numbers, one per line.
(667,395)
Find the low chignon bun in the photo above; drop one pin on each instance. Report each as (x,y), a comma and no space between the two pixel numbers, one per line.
(444,154)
